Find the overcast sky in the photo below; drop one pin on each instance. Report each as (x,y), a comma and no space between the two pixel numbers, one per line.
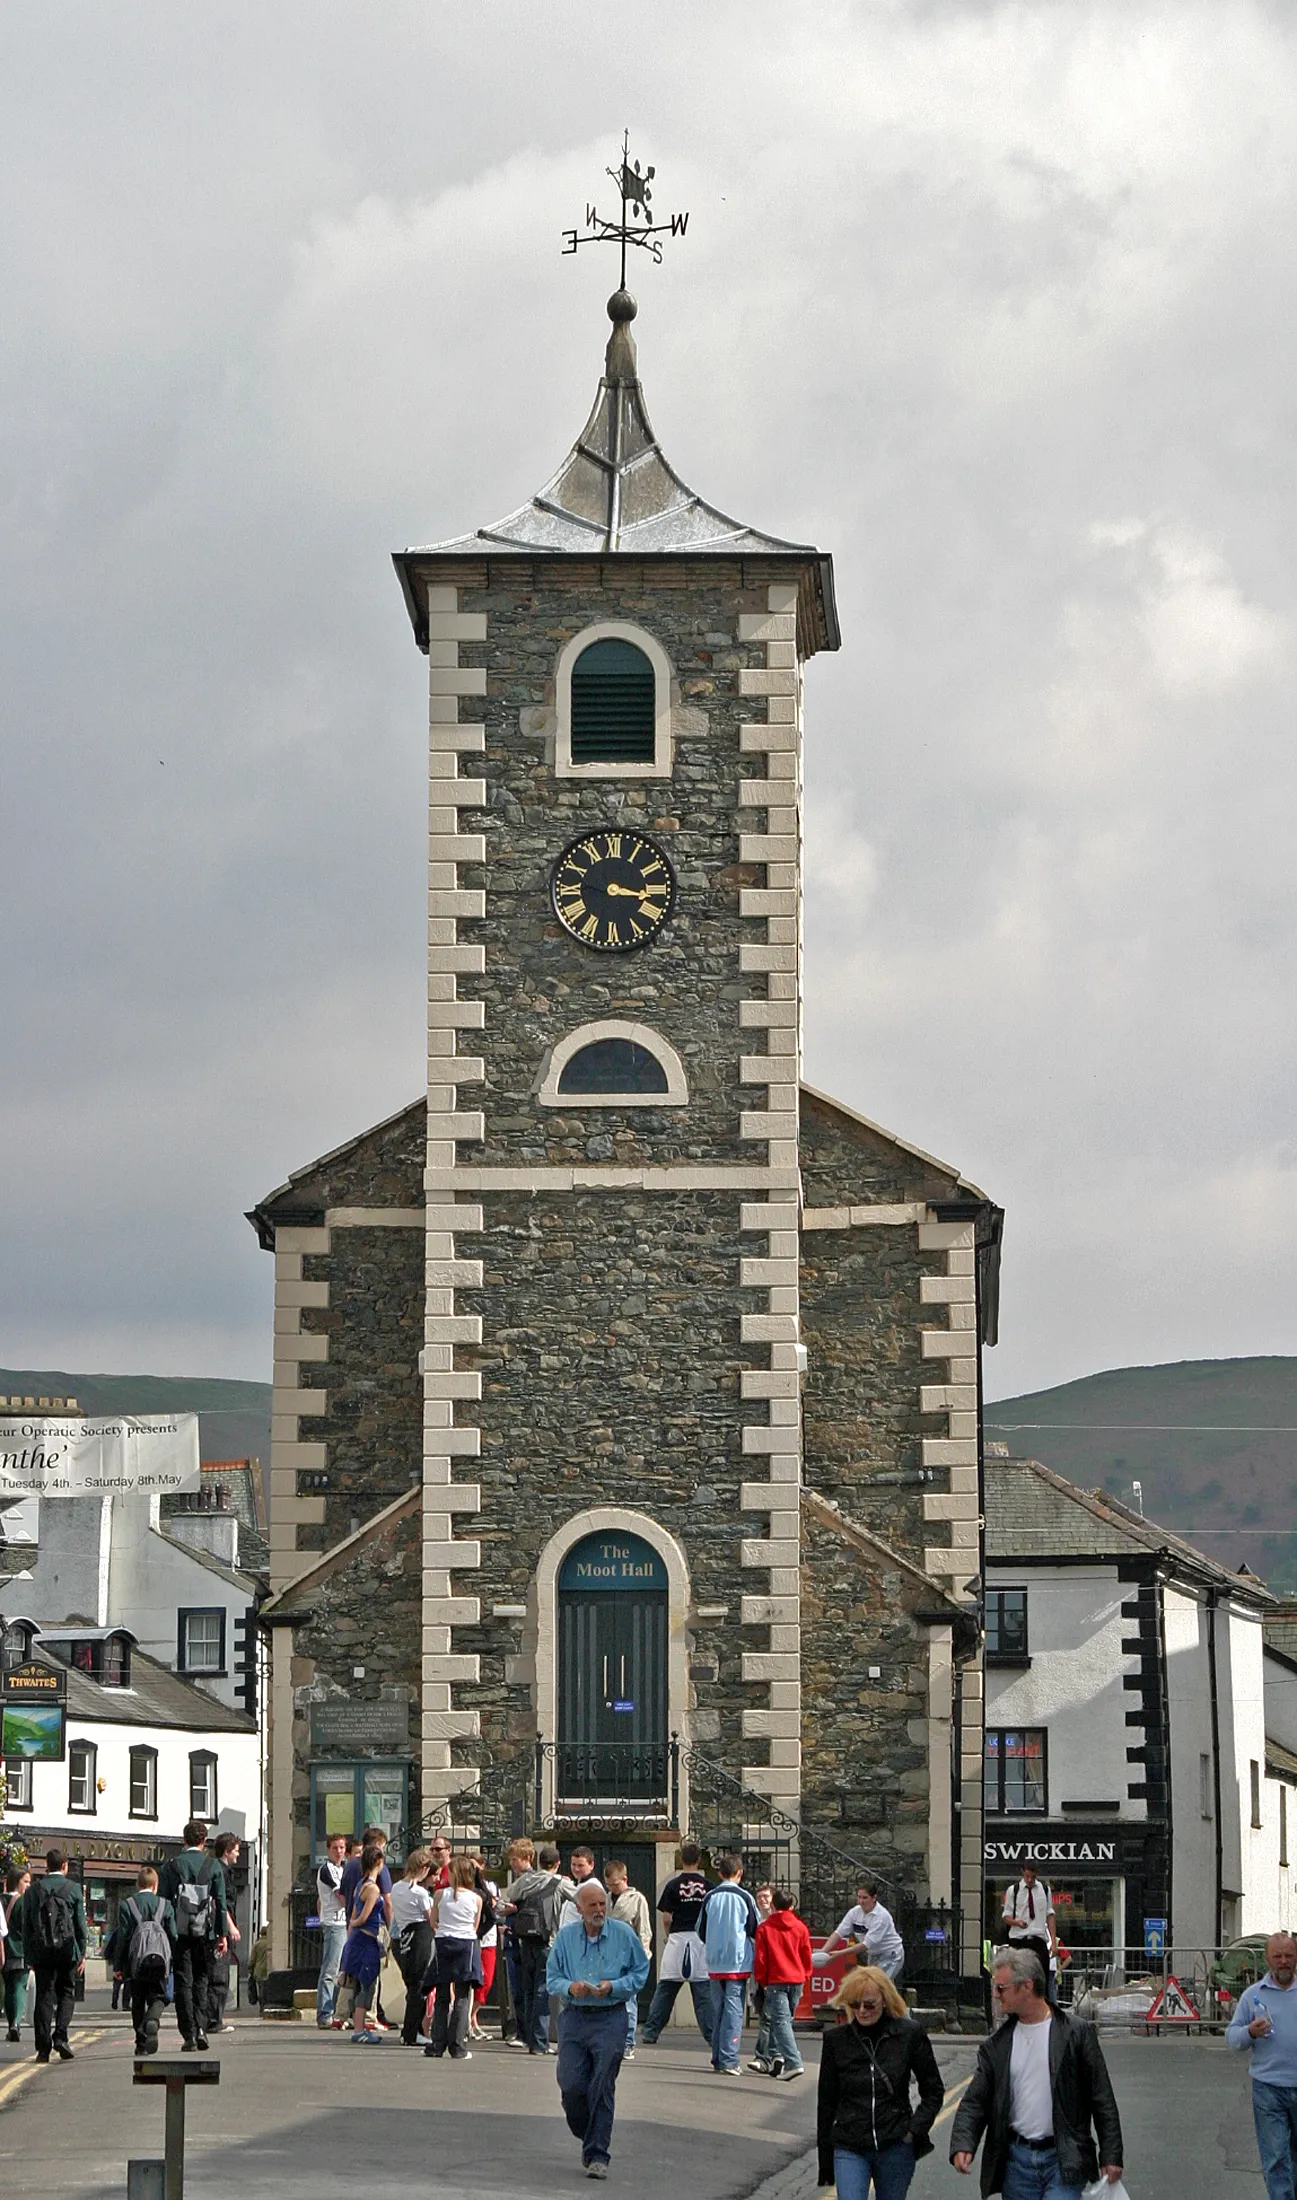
(994,302)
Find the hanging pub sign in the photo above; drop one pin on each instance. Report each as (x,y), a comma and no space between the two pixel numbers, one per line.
(34,1683)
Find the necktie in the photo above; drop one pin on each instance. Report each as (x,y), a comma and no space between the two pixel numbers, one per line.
(1031,1903)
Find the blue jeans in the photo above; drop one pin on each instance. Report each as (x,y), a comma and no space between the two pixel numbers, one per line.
(632,2019)
(1032,2174)
(727,2022)
(891,2169)
(332,1938)
(777,2039)
(664,2001)
(1274,2111)
(591,2043)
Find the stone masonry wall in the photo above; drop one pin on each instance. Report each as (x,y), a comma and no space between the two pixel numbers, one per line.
(539,983)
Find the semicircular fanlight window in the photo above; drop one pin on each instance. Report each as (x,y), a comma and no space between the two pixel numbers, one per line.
(612,1065)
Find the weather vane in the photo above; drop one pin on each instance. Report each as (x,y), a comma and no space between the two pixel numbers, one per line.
(636,199)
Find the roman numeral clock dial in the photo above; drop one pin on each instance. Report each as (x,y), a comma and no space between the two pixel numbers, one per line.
(612,890)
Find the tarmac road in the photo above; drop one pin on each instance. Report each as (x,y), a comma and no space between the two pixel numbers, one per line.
(301,2115)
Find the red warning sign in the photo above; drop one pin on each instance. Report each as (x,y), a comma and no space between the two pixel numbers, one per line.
(1171,2005)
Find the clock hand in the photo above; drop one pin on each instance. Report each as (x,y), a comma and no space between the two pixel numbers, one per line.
(627,893)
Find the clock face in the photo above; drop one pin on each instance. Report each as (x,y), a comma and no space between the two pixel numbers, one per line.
(612,890)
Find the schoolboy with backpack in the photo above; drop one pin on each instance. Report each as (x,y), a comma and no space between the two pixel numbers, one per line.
(143,1952)
(194,1884)
(52,1928)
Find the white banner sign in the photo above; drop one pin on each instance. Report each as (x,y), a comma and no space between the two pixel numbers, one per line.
(85,1456)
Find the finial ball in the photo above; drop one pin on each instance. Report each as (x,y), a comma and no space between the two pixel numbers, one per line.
(621,306)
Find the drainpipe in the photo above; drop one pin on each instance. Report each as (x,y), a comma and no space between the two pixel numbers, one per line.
(1215,1761)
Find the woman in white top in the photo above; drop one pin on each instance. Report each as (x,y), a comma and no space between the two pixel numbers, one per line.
(456,1966)
(412,1939)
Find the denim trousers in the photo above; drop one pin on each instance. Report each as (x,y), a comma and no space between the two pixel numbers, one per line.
(632,2019)
(326,1992)
(777,2027)
(727,2022)
(664,2001)
(1274,2112)
(533,2007)
(1032,2174)
(591,2043)
(890,2169)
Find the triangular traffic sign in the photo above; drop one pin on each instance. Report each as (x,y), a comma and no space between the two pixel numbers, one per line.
(1173,2006)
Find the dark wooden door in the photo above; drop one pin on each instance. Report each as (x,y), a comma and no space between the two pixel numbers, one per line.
(612,1697)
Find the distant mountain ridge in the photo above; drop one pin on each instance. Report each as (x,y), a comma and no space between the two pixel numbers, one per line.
(233,1417)
(1213,1444)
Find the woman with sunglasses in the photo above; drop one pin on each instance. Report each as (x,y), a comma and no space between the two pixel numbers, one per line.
(869,2132)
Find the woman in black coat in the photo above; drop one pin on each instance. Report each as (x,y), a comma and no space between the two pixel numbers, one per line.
(868,2129)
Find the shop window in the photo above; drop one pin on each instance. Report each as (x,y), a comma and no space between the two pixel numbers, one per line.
(144,1783)
(1006,1627)
(1015,1770)
(18,1783)
(83,1758)
(201,1641)
(346,1798)
(202,1785)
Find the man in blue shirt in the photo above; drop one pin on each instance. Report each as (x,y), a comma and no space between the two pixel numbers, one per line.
(1265,2024)
(594,1968)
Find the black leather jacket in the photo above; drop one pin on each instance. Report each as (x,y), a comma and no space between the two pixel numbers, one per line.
(864,2097)
(1083,2096)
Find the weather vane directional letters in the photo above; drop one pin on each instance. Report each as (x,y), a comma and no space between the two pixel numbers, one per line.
(636,225)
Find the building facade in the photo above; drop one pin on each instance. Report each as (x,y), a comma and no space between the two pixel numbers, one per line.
(1140,1748)
(626,1414)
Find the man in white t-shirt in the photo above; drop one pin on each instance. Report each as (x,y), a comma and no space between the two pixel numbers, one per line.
(872,1929)
(1028,1913)
(331,1911)
(1039,2089)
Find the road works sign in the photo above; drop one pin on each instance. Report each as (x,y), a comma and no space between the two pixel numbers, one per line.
(1171,2005)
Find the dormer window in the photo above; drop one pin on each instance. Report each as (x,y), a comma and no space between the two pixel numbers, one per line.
(104,1656)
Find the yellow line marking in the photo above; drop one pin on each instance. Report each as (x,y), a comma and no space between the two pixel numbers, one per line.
(953,2098)
(32,2069)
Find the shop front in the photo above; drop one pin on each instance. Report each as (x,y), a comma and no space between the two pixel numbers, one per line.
(1105,1878)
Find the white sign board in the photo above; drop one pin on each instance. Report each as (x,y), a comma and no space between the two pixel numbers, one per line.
(87,1456)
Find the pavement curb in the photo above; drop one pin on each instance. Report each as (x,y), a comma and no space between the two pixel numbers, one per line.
(795,2181)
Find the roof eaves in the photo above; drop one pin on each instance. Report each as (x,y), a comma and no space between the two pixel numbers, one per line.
(324,1563)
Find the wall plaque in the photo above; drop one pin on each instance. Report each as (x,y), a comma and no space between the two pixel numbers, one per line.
(365,1729)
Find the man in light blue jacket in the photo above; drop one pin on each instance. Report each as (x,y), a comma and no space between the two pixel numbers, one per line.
(728,1928)
(1265,2025)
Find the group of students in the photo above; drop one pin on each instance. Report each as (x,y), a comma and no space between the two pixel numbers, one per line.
(438,1922)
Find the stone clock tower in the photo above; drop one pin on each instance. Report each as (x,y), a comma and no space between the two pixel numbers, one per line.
(625,1451)
(611,1335)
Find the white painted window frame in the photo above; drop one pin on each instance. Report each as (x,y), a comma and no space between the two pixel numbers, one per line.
(561,1053)
(613,630)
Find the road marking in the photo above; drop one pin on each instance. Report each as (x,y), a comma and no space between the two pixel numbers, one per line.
(953,2098)
(29,2070)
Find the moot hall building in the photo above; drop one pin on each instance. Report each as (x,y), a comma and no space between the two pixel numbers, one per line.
(626,1463)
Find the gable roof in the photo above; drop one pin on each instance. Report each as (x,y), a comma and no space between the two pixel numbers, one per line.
(278,1609)
(616,493)
(881,1556)
(1031,1512)
(290,1191)
(959,1182)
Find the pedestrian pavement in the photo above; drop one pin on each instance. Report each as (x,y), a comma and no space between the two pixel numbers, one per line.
(302,2115)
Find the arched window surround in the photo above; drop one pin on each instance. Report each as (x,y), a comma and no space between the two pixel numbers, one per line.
(612,630)
(560,1054)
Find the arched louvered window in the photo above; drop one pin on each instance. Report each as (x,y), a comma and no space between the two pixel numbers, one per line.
(614,707)
(612,1065)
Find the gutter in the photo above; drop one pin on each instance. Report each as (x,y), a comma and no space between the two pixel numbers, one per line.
(1212,1599)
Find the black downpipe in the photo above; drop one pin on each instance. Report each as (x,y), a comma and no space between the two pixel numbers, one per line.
(1215,1761)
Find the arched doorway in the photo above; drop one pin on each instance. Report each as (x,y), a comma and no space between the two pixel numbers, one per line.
(612,1695)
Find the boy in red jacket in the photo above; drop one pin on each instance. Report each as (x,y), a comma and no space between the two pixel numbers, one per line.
(782,1966)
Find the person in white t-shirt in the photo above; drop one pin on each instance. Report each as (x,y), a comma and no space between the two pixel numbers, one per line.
(331,1911)
(1039,2090)
(412,1938)
(872,1930)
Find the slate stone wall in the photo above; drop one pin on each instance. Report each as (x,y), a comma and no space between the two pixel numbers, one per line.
(374,1422)
(539,984)
(365,1611)
(864,1760)
(610,1368)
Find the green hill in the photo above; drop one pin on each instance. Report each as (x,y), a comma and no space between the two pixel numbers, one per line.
(1212,1442)
(233,1418)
